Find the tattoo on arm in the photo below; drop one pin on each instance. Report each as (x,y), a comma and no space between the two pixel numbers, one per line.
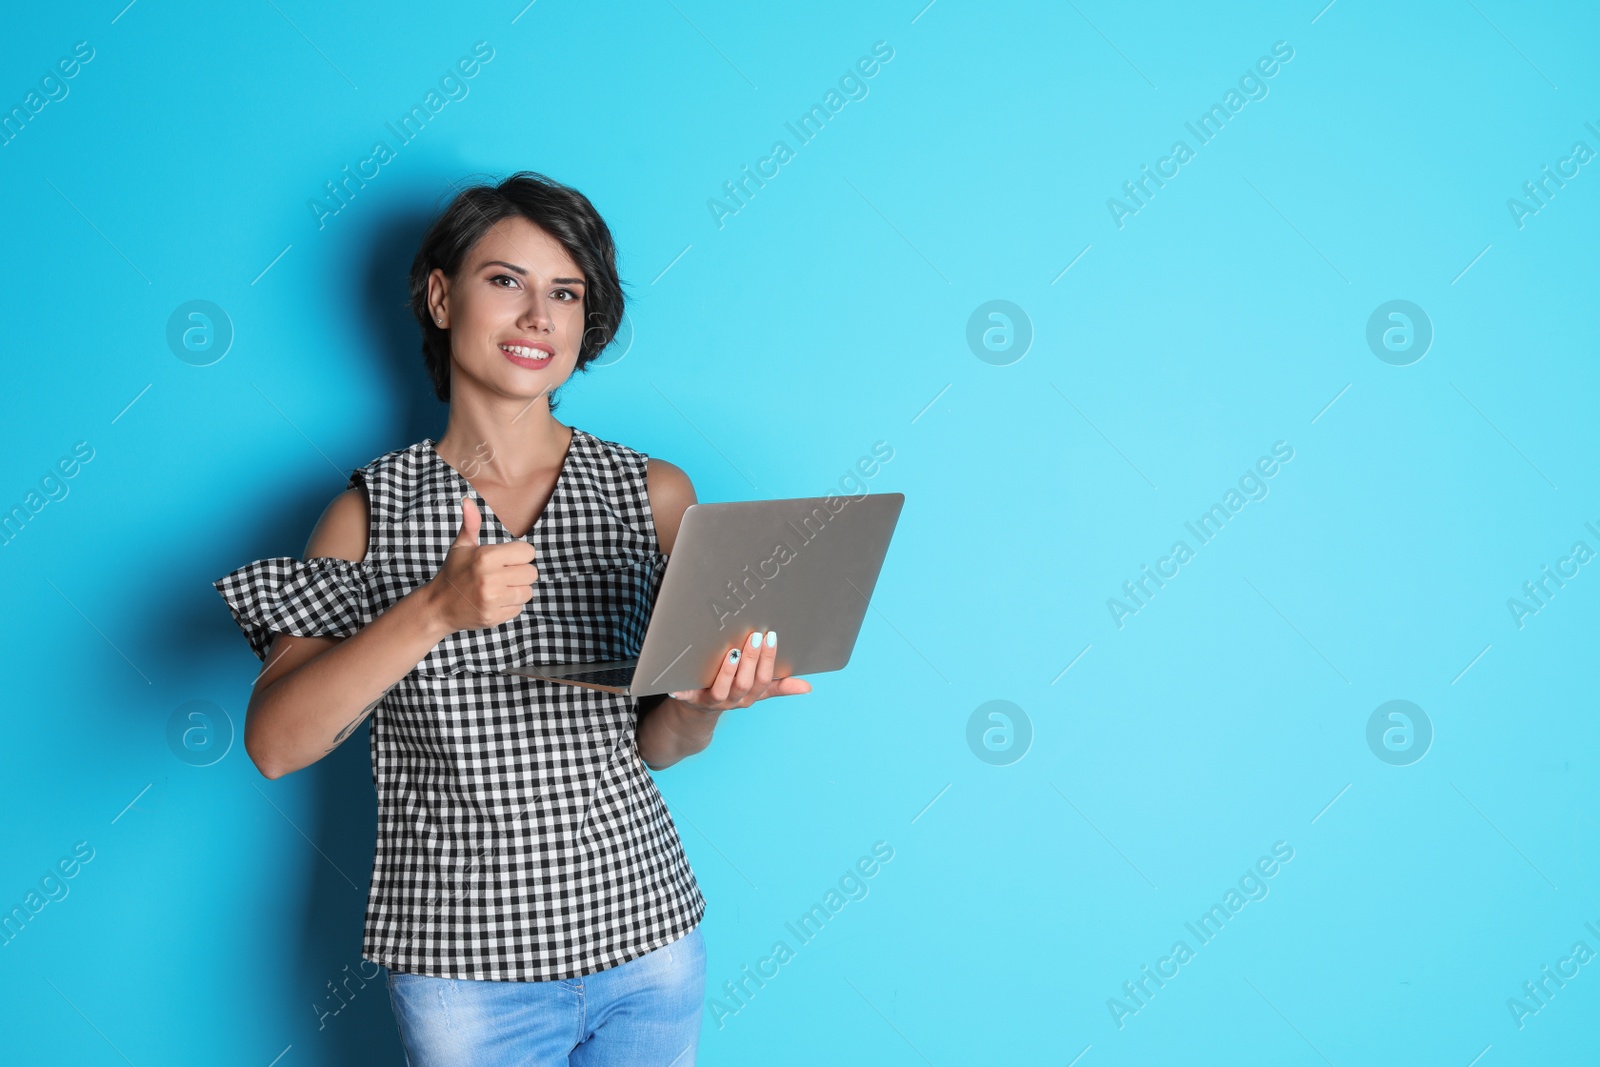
(350,727)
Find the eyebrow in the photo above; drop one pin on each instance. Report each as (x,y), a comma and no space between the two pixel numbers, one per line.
(524,273)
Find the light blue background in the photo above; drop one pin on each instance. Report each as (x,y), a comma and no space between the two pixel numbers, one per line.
(828,314)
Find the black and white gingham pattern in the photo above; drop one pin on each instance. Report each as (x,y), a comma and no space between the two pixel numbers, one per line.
(519,833)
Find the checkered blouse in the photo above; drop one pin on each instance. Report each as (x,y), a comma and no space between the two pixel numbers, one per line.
(519,833)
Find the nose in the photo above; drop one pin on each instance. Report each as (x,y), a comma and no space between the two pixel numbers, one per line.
(536,316)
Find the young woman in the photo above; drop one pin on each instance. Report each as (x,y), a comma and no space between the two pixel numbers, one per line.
(530,897)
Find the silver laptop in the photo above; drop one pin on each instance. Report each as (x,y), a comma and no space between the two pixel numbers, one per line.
(793,566)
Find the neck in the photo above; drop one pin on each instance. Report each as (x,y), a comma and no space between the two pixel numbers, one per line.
(510,438)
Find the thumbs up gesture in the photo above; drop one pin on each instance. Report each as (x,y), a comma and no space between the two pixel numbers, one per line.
(481,585)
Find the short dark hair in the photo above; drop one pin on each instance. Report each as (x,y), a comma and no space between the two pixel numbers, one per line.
(559,210)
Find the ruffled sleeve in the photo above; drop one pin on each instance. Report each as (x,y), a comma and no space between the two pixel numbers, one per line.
(319,597)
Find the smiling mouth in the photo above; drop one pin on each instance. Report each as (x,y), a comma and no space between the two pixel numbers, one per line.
(523,356)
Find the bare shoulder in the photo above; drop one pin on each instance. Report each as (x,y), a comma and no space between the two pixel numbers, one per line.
(671,492)
(343,528)
(340,532)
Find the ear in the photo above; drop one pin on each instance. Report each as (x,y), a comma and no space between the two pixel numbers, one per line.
(439,298)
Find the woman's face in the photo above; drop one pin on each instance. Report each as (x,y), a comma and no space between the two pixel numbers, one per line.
(514,311)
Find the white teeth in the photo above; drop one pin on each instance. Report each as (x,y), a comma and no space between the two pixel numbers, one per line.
(525,353)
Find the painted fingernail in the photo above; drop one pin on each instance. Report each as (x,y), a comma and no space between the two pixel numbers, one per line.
(733,657)
(755,639)
(772,638)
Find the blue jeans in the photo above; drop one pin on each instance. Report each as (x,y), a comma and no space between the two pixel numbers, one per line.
(643,1013)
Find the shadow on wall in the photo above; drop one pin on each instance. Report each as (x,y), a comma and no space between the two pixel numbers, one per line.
(387,311)
(340,1003)
(359,1025)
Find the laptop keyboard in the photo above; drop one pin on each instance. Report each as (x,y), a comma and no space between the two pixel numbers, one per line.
(611,676)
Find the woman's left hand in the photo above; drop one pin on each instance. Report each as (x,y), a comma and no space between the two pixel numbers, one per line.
(745,677)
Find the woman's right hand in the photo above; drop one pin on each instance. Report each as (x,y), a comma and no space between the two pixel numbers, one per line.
(481,585)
